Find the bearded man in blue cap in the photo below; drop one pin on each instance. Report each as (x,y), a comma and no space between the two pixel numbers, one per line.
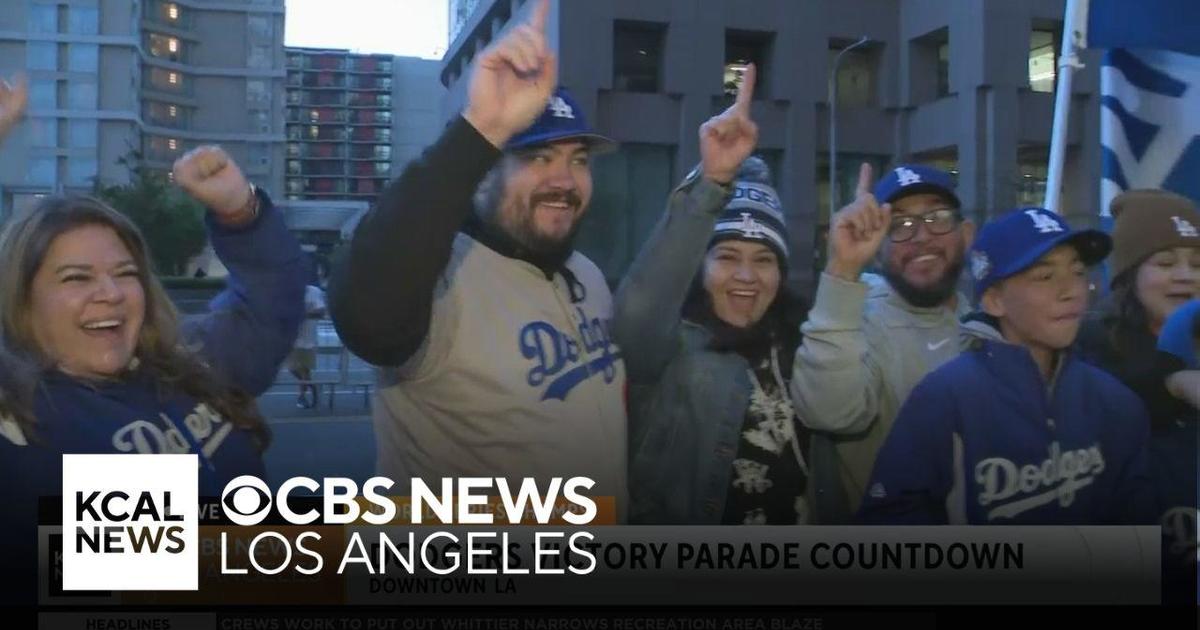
(463,282)
(869,340)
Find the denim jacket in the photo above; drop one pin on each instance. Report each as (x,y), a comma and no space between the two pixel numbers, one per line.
(687,402)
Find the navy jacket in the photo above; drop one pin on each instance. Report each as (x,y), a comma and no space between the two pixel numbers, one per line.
(984,440)
(246,335)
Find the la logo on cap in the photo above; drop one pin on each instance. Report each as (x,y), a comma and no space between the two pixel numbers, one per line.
(907,177)
(980,265)
(750,227)
(1185,227)
(560,109)
(1043,222)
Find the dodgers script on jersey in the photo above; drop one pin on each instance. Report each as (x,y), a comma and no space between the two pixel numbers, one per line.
(515,379)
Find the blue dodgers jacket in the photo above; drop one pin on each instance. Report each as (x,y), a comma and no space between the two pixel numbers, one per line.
(248,331)
(985,440)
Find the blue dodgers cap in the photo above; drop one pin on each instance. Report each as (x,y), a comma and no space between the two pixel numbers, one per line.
(562,120)
(1012,243)
(914,179)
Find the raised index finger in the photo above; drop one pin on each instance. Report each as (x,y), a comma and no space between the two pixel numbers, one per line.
(866,176)
(746,90)
(538,21)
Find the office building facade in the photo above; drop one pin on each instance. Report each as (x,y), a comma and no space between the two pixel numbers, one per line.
(353,120)
(966,85)
(115,80)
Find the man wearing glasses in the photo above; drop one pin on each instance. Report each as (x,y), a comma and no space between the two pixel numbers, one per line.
(868,340)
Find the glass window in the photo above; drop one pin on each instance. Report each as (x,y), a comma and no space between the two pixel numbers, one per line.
(83,58)
(258,154)
(42,171)
(1042,56)
(81,94)
(1032,167)
(166,80)
(855,77)
(943,69)
(165,47)
(741,49)
(83,134)
(257,94)
(260,27)
(81,170)
(83,20)
(261,120)
(260,56)
(626,204)
(42,55)
(637,56)
(846,176)
(43,132)
(43,95)
(43,18)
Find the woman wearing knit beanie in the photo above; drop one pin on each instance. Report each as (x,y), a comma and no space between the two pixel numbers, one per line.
(1155,269)
(1155,272)
(707,329)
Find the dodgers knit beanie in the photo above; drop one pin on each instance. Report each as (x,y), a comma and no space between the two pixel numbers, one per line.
(1147,221)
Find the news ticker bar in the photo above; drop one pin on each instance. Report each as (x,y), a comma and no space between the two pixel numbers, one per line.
(638,565)
(491,619)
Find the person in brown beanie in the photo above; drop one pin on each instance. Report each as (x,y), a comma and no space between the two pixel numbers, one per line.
(1154,269)
(1155,266)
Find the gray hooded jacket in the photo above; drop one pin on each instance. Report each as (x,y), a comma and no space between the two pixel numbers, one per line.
(864,350)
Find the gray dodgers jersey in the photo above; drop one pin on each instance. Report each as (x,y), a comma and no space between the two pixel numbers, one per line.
(513,380)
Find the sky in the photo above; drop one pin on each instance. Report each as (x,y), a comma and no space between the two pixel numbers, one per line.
(414,28)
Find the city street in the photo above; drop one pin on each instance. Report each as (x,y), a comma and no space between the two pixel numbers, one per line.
(321,442)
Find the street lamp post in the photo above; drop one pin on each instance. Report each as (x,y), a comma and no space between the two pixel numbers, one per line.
(833,122)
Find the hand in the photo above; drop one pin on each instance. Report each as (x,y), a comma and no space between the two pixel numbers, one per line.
(857,230)
(512,81)
(1185,385)
(13,99)
(210,176)
(728,138)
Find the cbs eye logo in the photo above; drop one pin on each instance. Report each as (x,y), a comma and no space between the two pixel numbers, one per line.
(246,500)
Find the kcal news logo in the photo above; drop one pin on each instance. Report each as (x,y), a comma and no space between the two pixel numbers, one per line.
(129,522)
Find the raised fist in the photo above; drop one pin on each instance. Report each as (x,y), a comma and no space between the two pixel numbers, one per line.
(13,99)
(728,138)
(857,230)
(210,176)
(512,80)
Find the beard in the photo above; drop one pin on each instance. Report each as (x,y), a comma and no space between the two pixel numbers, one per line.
(522,226)
(926,297)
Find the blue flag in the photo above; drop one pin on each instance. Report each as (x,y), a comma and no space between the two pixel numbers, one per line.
(1150,122)
(1152,24)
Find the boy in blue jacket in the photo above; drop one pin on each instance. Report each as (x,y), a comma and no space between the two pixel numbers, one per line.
(1016,430)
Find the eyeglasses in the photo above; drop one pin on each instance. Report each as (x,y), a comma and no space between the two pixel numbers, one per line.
(937,222)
